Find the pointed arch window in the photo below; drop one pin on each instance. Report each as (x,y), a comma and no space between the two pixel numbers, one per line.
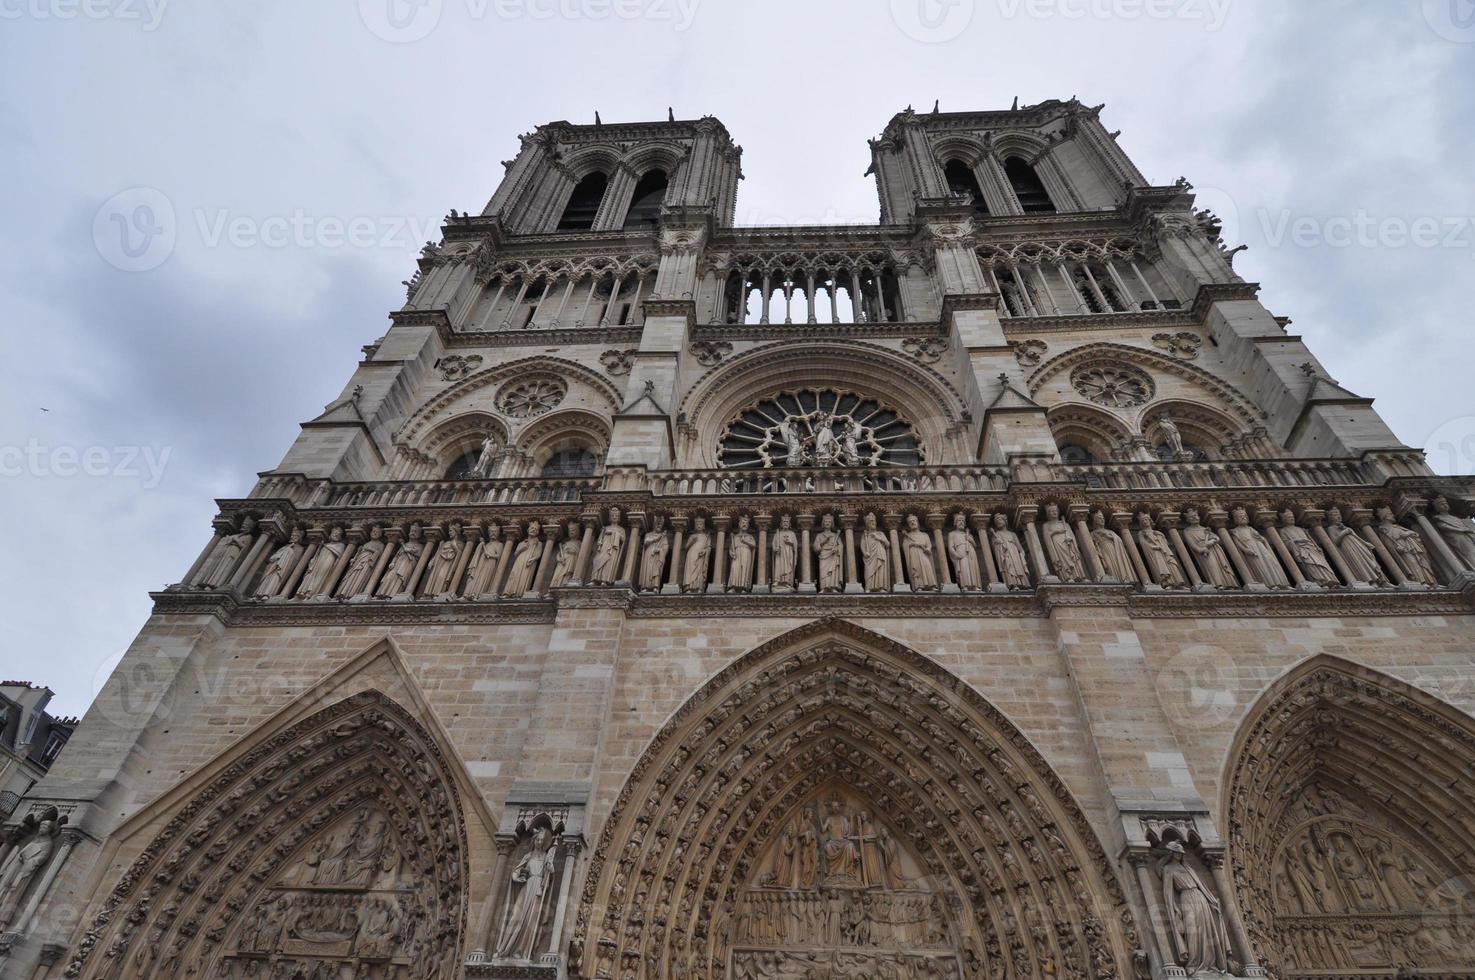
(571,462)
(583,205)
(645,205)
(963,183)
(1033,198)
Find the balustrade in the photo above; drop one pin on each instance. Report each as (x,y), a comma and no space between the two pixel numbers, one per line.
(1075,278)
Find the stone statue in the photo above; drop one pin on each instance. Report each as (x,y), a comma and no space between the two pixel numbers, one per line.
(964,554)
(785,554)
(875,553)
(1200,937)
(1260,560)
(654,548)
(1157,552)
(22,867)
(698,553)
(916,548)
(402,566)
(356,579)
(442,567)
(568,556)
(482,468)
(830,548)
(527,893)
(837,844)
(1206,546)
(522,579)
(1361,557)
(1457,532)
(1408,548)
(280,565)
(1061,546)
(1306,552)
(607,551)
(1116,564)
(826,447)
(1009,554)
(742,549)
(322,564)
(483,565)
(1171,434)
(217,570)
(850,443)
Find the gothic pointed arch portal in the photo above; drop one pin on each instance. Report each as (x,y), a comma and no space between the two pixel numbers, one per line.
(833,805)
(1352,827)
(335,848)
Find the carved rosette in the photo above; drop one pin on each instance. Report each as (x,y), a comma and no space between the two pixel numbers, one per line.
(531,397)
(1113,385)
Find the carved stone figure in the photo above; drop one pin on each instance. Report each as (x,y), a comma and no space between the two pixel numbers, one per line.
(1171,434)
(1009,554)
(1061,546)
(916,548)
(742,549)
(1458,532)
(355,580)
(698,555)
(1157,552)
(280,565)
(1408,548)
(607,551)
(322,565)
(655,546)
(1209,550)
(830,548)
(841,856)
(442,566)
(396,580)
(22,866)
(522,578)
(1361,558)
(527,893)
(964,554)
(875,552)
(568,556)
(222,563)
(1200,937)
(785,554)
(483,564)
(1306,552)
(1260,561)
(1116,564)
(486,460)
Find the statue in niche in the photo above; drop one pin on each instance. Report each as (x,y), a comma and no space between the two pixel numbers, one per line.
(698,554)
(1260,561)
(1157,552)
(964,554)
(1116,564)
(785,554)
(1061,546)
(826,446)
(23,865)
(525,561)
(1009,554)
(442,567)
(396,580)
(851,435)
(485,556)
(1196,921)
(217,570)
(830,548)
(785,873)
(361,568)
(1361,557)
(1171,434)
(568,557)
(916,547)
(1209,550)
(527,895)
(322,565)
(842,857)
(607,551)
(742,550)
(654,548)
(875,552)
(1306,552)
(1457,532)
(1408,548)
(486,460)
(280,565)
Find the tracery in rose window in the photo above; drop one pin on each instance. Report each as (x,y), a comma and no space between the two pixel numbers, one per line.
(822,428)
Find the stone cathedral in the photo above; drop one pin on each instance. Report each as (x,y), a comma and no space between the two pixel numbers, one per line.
(995,592)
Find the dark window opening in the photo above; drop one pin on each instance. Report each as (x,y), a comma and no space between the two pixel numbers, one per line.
(1074,454)
(1033,198)
(962,182)
(583,206)
(645,205)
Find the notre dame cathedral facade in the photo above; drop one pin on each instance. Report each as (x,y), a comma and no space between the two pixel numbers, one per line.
(995,592)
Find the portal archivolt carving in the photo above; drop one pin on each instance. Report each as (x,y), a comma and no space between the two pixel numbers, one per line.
(336,848)
(835,806)
(1352,820)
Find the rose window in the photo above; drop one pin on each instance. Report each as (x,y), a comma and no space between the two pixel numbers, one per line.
(1113,385)
(819,428)
(531,397)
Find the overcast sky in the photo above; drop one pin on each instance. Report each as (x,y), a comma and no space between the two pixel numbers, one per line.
(143,382)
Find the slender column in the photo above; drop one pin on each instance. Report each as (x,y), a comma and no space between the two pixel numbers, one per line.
(433,536)
(719,299)
(568,291)
(1219,521)
(1106,306)
(1268,528)
(1122,523)
(1362,520)
(1146,285)
(767,282)
(719,573)
(1045,289)
(1439,547)
(806,576)
(614,297)
(69,841)
(898,566)
(639,294)
(1238,933)
(761,583)
(1026,517)
(391,545)
(303,560)
(880,298)
(586,545)
(588,300)
(632,549)
(857,304)
(1315,520)
(678,556)
(503,571)
(1121,286)
(939,553)
(470,537)
(788,288)
(545,564)
(330,585)
(249,567)
(1169,523)
(522,291)
(834,290)
(205,553)
(809,303)
(1150,893)
(852,576)
(491,310)
(1026,302)
(1088,546)
(555,935)
(1075,290)
(986,552)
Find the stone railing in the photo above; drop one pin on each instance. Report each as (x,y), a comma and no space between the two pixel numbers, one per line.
(421,493)
(782,482)
(1288,473)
